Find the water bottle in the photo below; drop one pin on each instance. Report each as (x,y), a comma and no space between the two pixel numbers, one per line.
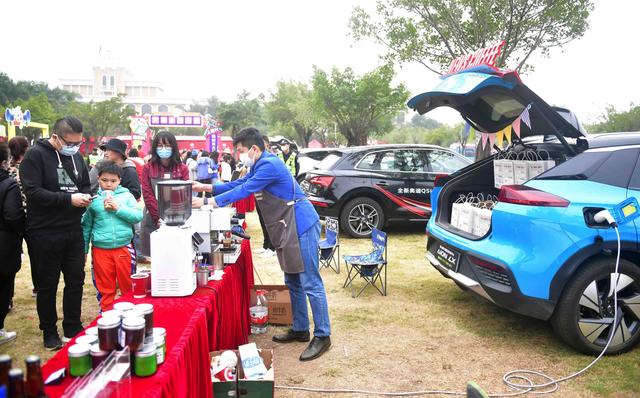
(259,313)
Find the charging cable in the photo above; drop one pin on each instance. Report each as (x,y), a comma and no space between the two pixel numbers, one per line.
(520,380)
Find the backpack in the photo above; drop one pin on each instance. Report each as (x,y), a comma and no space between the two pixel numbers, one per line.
(203,170)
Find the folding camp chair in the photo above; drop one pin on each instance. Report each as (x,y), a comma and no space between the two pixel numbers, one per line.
(369,266)
(330,246)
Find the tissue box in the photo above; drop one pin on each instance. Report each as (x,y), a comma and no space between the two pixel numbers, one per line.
(251,388)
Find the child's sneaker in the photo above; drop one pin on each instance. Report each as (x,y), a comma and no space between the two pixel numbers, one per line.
(6,336)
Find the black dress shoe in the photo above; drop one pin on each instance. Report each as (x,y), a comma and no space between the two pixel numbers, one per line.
(316,348)
(291,335)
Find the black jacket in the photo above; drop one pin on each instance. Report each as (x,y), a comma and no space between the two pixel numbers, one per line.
(11,224)
(49,188)
(129,179)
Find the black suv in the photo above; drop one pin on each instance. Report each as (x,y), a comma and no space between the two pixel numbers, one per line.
(369,187)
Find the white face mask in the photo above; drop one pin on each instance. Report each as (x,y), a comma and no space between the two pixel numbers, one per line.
(247,160)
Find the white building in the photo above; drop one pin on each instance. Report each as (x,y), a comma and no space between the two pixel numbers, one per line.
(110,79)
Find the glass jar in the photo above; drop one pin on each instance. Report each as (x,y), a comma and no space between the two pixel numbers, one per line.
(108,333)
(79,360)
(146,361)
(123,306)
(87,339)
(5,367)
(147,310)
(97,356)
(161,348)
(35,383)
(134,328)
(16,383)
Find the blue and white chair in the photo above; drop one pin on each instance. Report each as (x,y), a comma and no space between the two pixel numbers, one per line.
(369,267)
(329,248)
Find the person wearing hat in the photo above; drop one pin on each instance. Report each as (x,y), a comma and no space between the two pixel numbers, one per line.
(289,157)
(115,150)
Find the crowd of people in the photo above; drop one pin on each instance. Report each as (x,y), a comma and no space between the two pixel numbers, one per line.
(63,205)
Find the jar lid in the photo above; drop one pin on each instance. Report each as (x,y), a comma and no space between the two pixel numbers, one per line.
(158,339)
(134,323)
(146,308)
(87,339)
(147,350)
(92,331)
(116,313)
(32,359)
(79,350)
(135,312)
(160,331)
(108,322)
(123,306)
(6,358)
(95,350)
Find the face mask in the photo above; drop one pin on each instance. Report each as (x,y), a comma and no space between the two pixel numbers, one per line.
(247,159)
(67,150)
(164,153)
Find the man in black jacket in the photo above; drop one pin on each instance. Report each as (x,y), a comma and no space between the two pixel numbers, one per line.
(56,182)
(115,150)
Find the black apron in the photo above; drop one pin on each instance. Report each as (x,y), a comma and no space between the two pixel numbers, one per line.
(280,220)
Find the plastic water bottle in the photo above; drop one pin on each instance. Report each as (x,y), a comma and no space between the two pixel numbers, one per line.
(259,313)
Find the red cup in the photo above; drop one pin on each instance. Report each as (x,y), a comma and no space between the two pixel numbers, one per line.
(148,272)
(225,374)
(139,282)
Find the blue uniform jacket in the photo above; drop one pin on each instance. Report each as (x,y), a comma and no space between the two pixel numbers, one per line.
(271,174)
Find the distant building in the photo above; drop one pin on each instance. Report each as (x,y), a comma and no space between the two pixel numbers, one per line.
(110,79)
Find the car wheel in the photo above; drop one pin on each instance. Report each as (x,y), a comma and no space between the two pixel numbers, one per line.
(359,216)
(584,315)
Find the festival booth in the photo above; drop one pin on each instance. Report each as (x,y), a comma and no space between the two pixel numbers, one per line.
(194,299)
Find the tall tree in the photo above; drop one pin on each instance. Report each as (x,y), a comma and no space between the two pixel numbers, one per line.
(359,105)
(243,112)
(109,117)
(434,32)
(292,106)
(211,107)
(615,121)
(11,91)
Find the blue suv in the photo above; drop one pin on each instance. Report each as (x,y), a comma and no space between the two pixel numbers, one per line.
(544,255)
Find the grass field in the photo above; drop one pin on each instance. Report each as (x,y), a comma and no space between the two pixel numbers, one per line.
(426,334)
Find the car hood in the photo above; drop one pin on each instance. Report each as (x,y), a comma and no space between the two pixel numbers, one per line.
(491,99)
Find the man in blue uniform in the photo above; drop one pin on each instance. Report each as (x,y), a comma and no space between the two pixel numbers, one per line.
(294,229)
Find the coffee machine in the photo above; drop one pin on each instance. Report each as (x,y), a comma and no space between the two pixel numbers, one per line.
(174,245)
(215,225)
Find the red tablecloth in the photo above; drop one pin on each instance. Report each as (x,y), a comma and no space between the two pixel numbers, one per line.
(213,318)
(245,205)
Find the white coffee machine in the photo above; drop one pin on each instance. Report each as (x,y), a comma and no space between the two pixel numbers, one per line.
(174,245)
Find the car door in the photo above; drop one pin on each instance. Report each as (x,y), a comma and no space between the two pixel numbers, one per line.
(417,183)
(634,190)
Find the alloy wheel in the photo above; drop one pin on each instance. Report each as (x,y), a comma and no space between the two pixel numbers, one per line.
(363,218)
(596,310)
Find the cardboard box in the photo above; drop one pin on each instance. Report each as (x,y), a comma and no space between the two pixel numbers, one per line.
(248,388)
(279,303)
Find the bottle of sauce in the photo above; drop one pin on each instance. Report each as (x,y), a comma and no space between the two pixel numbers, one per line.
(5,366)
(16,384)
(35,383)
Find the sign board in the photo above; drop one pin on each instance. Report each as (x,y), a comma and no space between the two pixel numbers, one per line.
(484,56)
(163,120)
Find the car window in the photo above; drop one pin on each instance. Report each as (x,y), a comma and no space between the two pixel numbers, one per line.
(443,162)
(607,167)
(408,161)
(328,162)
(380,160)
(317,155)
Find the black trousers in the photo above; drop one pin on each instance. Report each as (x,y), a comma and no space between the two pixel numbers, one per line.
(266,244)
(6,293)
(57,253)
(34,264)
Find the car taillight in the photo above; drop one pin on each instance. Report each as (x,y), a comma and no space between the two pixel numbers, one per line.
(486,264)
(440,180)
(319,204)
(323,181)
(523,195)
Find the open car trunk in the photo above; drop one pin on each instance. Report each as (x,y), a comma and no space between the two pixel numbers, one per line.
(490,100)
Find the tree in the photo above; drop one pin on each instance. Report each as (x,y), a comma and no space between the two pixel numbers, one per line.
(359,105)
(292,107)
(109,117)
(241,113)
(613,120)
(434,32)
(10,92)
(424,122)
(211,107)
